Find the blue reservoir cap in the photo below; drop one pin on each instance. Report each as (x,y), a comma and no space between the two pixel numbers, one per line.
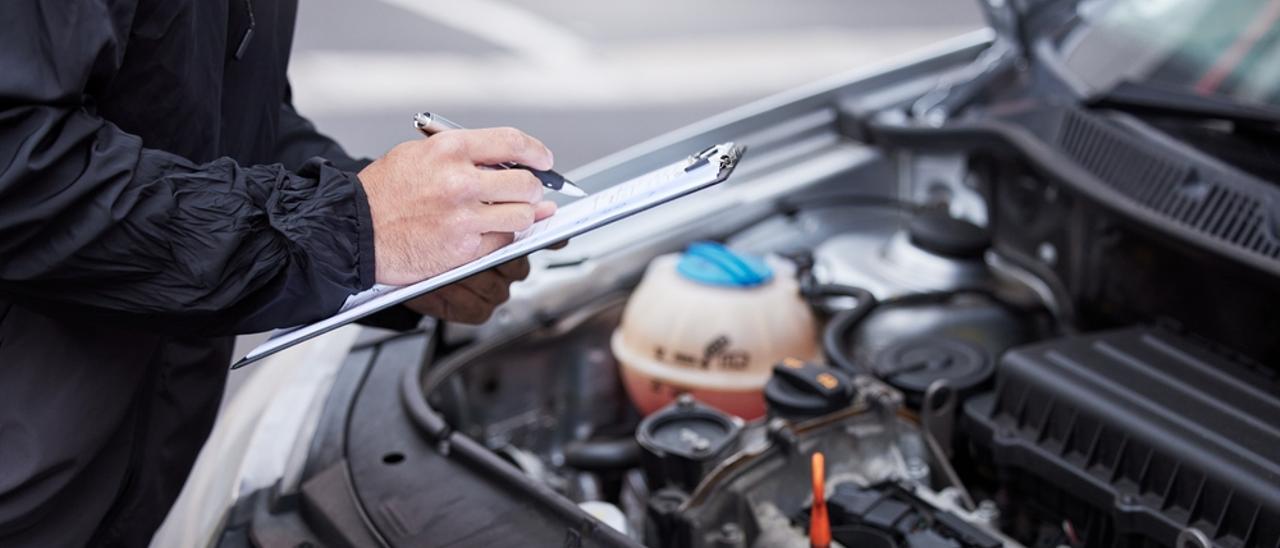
(714,264)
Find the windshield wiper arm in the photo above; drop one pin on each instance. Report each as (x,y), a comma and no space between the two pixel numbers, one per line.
(1155,99)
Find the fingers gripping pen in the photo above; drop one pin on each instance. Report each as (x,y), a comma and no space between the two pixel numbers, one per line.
(430,124)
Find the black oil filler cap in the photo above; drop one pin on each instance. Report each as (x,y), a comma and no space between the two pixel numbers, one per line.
(801,390)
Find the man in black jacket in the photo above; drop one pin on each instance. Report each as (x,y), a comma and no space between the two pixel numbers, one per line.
(159,193)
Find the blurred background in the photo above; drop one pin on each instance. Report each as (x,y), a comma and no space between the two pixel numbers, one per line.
(587,77)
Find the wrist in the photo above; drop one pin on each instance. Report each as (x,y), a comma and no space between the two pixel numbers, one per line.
(366,256)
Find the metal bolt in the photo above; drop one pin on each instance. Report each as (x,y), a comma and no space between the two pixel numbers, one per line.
(728,535)
(1192,538)
(987,511)
(917,469)
(1048,253)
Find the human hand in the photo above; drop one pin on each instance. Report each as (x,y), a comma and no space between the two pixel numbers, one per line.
(435,206)
(472,300)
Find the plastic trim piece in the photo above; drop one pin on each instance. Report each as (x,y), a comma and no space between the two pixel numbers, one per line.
(1148,431)
(1068,144)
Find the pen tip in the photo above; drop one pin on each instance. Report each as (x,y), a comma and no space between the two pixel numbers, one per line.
(572,190)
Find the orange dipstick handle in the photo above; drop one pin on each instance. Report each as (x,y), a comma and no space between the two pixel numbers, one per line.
(819,523)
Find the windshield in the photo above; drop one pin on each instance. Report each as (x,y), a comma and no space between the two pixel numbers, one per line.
(1228,48)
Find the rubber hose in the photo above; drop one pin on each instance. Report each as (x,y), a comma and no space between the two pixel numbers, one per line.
(843,322)
(612,454)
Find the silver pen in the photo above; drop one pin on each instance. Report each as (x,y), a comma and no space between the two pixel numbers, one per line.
(430,124)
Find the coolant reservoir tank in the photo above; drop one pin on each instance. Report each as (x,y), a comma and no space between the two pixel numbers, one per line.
(712,323)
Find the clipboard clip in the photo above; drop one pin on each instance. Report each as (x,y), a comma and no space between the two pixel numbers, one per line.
(727,158)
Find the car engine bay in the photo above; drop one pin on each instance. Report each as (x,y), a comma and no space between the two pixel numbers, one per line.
(945,396)
(555,403)
(1033,325)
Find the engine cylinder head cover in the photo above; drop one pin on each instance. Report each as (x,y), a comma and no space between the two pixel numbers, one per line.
(712,323)
(911,365)
(682,441)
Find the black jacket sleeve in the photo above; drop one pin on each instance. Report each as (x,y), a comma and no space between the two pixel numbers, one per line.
(299,142)
(94,222)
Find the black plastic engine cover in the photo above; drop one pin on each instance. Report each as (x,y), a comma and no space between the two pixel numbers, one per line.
(1139,434)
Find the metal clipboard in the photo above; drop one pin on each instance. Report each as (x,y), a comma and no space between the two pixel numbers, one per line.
(700,170)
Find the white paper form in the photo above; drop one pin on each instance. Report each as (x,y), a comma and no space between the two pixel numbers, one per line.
(701,170)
